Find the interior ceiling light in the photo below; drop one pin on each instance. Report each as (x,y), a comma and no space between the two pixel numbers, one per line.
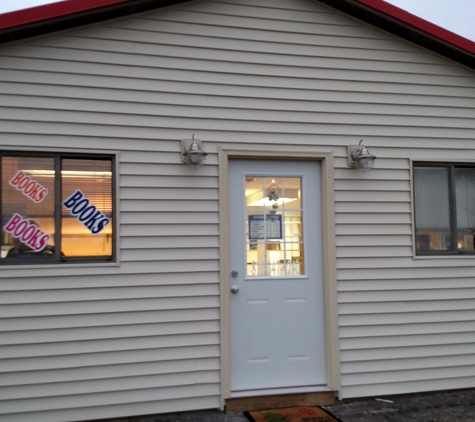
(265,202)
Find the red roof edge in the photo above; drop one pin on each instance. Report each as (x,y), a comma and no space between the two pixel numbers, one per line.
(51,11)
(421,24)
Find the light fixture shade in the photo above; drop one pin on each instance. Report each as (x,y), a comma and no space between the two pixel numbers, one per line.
(359,157)
(192,153)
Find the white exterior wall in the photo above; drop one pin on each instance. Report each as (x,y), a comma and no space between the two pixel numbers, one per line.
(140,337)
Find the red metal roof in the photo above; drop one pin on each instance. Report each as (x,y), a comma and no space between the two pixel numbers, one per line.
(50,11)
(421,24)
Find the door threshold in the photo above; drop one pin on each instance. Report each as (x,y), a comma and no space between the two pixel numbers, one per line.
(276,400)
(278,391)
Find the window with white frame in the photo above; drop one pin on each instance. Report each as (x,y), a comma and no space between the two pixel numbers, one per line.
(444,206)
(56,208)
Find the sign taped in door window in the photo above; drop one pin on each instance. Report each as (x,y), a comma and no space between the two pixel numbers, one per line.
(265,226)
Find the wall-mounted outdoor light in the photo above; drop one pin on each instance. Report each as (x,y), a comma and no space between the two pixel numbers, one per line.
(191,152)
(360,158)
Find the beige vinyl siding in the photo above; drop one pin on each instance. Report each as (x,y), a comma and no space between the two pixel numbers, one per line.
(88,342)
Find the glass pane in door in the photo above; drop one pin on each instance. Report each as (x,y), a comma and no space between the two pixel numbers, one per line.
(274,238)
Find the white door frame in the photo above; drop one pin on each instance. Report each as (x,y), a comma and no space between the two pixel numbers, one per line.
(325,157)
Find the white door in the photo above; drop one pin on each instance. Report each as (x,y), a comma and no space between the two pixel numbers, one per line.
(276,297)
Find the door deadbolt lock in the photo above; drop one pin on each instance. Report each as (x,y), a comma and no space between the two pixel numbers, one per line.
(234,273)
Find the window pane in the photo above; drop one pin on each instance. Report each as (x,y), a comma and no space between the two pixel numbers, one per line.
(274,226)
(465,203)
(432,208)
(27,209)
(86,228)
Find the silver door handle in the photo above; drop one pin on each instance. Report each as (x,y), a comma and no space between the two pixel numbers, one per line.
(234,289)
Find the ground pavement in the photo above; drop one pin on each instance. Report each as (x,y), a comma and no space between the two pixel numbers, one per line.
(452,406)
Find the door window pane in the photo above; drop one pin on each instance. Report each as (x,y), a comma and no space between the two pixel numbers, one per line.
(274,237)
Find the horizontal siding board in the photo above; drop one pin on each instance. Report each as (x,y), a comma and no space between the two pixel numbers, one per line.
(376,251)
(406,306)
(334,100)
(106,306)
(202,378)
(387,163)
(206,69)
(77,281)
(169,218)
(372,319)
(107,332)
(373,229)
(253,84)
(400,341)
(407,364)
(145,27)
(170,267)
(156,24)
(106,51)
(110,42)
(395,262)
(412,375)
(192,254)
(263,11)
(108,345)
(140,408)
(116,397)
(169,194)
(226,21)
(62,295)
(94,112)
(400,354)
(133,102)
(406,284)
(367,219)
(372,196)
(372,209)
(376,174)
(302,67)
(398,295)
(91,124)
(377,241)
(121,374)
(125,268)
(108,319)
(82,363)
(169,242)
(169,182)
(99,381)
(405,329)
(183,229)
(414,273)
(376,104)
(408,387)
(153,205)
(372,185)
(169,170)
